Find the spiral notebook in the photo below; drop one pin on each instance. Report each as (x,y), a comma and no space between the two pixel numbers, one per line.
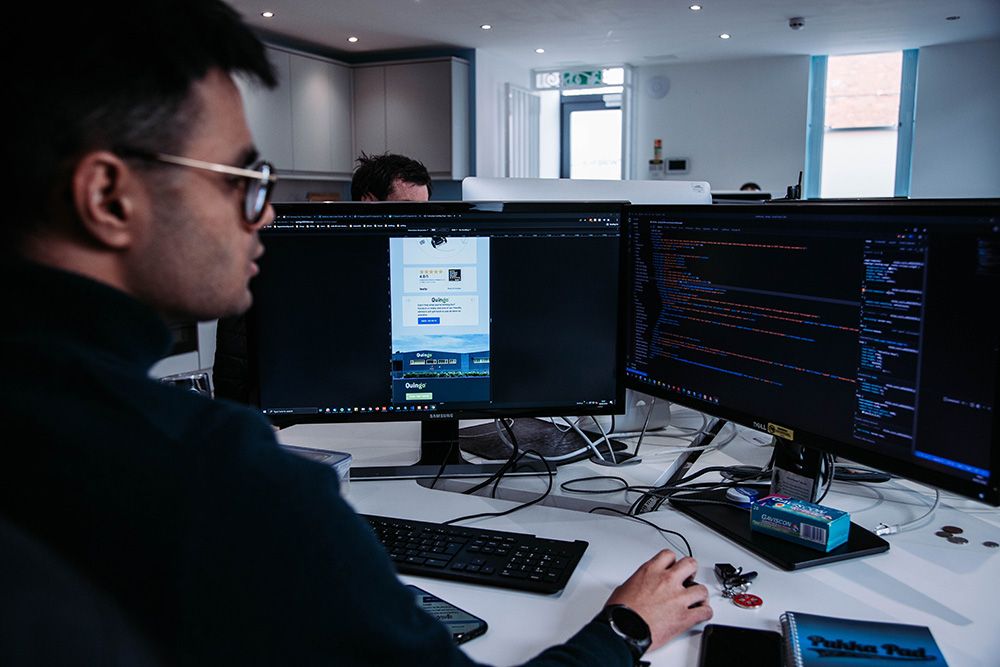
(812,640)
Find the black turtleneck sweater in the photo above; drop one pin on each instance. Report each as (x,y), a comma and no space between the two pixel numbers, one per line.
(221,547)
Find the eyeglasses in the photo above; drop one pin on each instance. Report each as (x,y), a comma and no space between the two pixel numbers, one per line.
(260,178)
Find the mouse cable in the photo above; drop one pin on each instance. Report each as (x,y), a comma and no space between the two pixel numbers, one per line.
(647,522)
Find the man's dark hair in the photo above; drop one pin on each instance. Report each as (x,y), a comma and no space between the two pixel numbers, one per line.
(114,74)
(376,174)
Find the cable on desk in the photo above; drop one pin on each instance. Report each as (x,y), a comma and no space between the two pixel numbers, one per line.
(451,448)
(508,464)
(884,529)
(531,502)
(645,423)
(649,523)
(567,486)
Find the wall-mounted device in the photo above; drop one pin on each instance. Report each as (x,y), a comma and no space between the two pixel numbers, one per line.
(677,165)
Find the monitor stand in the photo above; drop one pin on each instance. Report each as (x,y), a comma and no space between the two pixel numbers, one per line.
(711,508)
(441,457)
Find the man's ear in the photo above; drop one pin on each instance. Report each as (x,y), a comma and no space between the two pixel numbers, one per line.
(105,195)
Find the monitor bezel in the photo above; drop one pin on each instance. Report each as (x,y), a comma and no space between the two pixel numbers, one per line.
(989,494)
(456,207)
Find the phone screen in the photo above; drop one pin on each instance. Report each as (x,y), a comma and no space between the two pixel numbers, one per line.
(728,645)
(462,625)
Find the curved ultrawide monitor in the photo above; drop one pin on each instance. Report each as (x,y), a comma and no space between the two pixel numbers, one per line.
(438,311)
(869,330)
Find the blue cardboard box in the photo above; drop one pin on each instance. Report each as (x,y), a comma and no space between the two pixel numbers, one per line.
(816,526)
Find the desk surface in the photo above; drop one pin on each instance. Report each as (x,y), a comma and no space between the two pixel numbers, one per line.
(922,580)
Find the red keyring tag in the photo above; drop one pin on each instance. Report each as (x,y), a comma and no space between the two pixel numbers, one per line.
(747,601)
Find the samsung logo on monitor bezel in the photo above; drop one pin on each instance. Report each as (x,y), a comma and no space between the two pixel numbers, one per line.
(442,415)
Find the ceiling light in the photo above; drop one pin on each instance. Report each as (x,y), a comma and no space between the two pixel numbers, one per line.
(486,26)
(352,39)
(695,8)
(725,35)
(539,50)
(267,15)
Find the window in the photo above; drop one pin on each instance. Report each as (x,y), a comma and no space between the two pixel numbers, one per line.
(860,125)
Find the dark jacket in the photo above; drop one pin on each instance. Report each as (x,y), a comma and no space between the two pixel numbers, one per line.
(221,547)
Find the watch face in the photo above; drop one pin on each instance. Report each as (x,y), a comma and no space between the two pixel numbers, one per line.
(630,623)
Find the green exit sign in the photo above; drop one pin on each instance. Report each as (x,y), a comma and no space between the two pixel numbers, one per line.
(583,78)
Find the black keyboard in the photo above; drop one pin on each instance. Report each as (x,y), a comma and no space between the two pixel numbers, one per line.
(478,556)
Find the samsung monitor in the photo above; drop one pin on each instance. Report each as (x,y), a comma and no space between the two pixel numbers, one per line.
(475,188)
(435,312)
(869,330)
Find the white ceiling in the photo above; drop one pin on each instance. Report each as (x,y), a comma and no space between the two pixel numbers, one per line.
(638,32)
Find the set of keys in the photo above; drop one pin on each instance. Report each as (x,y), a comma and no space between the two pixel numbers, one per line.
(735,583)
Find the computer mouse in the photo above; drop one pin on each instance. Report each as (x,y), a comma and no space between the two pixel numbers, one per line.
(742,496)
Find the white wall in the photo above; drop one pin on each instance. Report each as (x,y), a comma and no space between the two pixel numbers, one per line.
(956,143)
(492,73)
(736,121)
(549,134)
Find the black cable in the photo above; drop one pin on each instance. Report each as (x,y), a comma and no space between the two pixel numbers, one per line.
(645,422)
(518,507)
(504,468)
(444,463)
(566,486)
(514,445)
(649,523)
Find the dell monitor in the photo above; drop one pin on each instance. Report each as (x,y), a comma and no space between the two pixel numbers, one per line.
(868,331)
(435,312)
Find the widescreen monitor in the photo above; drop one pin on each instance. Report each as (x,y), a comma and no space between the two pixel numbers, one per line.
(476,188)
(869,330)
(435,312)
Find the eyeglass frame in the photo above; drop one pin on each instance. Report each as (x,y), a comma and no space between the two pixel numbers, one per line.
(263,176)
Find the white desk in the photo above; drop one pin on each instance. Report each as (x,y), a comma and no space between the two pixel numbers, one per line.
(923,579)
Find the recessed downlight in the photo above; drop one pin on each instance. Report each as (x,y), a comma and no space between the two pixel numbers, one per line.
(539,50)
(695,8)
(352,39)
(725,35)
(486,26)
(267,15)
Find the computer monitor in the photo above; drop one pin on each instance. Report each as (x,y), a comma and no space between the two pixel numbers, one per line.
(869,330)
(439,311)
(475,188)
(639,412)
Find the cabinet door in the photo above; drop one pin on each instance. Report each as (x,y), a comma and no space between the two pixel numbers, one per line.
(369,110)
(341,105)
(312,94)
(269,113)
(418,113)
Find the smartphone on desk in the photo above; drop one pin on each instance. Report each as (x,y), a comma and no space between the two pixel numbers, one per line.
(462,625)
(732,646)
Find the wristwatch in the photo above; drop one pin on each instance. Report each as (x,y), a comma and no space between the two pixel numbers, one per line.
(628,625)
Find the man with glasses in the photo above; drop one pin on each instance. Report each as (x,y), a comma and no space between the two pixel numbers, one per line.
(137,195)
